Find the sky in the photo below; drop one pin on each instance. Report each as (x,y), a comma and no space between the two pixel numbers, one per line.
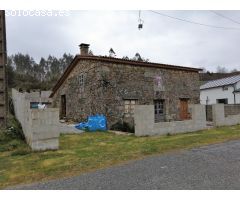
(162,39)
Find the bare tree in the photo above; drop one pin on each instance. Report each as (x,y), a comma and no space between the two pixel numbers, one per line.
(203,70)
(221,69)
(234,70)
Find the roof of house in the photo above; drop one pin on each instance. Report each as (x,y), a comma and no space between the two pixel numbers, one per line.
(221,82)
(118,61)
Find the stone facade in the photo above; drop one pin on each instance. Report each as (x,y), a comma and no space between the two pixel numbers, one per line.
(3,75)
(107,84)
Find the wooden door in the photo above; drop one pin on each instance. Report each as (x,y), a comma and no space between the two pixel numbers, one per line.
(184,109)
(63,106)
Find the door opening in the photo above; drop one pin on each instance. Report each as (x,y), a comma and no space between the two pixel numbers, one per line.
(63,106)
(159,110)
(184,115)
(224,101)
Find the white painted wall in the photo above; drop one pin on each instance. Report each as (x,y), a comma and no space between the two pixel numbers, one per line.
(218,93)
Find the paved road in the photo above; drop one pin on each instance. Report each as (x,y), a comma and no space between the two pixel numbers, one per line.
(210,167)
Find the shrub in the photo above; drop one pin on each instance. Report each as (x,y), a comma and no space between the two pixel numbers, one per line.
(11,106)
(14,129)
(12,138)
(125,127)
(21,152)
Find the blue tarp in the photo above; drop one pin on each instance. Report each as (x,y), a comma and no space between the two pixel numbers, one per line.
(94,123)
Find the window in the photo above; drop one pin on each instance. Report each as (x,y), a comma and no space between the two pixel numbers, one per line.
(159,107)
(129,106)
(81,79)
(159,110)
(225,87)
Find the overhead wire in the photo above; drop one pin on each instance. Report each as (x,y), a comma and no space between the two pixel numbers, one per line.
(196,23)
(223,16)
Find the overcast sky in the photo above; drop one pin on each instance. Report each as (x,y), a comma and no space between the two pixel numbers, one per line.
(162,39)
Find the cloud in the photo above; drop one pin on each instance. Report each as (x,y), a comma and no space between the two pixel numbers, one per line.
(162,39)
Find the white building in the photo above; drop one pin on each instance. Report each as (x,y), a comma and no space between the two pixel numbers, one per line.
(226,90)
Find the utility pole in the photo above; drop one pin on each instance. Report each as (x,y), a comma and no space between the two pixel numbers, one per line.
(3,72)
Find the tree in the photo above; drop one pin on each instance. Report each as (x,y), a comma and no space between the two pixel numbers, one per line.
(65,61)
(23,63)
(221,70)
(10,72)
(125,58)
(234,70)
(203,70)
(24,72)
(138,57)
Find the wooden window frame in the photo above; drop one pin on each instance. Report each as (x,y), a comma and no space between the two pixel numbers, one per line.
(129,106)
(81,80)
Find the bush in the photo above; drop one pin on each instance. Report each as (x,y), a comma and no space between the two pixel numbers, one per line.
(11,106)
(14,144)
(12,138)
(21,152)
(125,127)
(14,128)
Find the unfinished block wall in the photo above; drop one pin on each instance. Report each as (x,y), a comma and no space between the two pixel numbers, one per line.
(3,75)
(146,126)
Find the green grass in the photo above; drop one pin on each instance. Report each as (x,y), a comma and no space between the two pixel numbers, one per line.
(91,151)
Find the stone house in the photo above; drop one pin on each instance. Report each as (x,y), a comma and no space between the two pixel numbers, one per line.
(113,86)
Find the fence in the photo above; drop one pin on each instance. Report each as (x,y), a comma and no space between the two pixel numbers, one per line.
(225,115)
(231,109)
(40,127)
(145,125)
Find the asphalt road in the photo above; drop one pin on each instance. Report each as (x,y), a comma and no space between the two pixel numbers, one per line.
(209,167)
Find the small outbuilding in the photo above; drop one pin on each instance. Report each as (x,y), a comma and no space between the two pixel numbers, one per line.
(225,90)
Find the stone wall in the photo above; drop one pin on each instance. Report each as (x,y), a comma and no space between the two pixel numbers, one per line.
(40,127)
(107,84)
(220,118)
(144,121)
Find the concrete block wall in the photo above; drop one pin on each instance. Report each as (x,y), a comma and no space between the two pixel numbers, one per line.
(220,119)
(43,128)
(40,127)
(144,121)
(231,109)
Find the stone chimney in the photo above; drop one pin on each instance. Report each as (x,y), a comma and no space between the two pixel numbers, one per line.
(84,49)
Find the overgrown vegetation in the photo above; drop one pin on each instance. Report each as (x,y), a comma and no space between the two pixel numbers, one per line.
(25,73)
(12,139)
(123,126)
(91,151)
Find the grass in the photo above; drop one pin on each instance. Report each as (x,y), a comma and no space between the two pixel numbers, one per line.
(91,151)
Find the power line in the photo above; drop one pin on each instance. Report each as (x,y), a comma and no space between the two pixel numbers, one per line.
(221,15)
(196,23)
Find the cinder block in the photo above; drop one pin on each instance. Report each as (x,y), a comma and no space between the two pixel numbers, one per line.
(144,121)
